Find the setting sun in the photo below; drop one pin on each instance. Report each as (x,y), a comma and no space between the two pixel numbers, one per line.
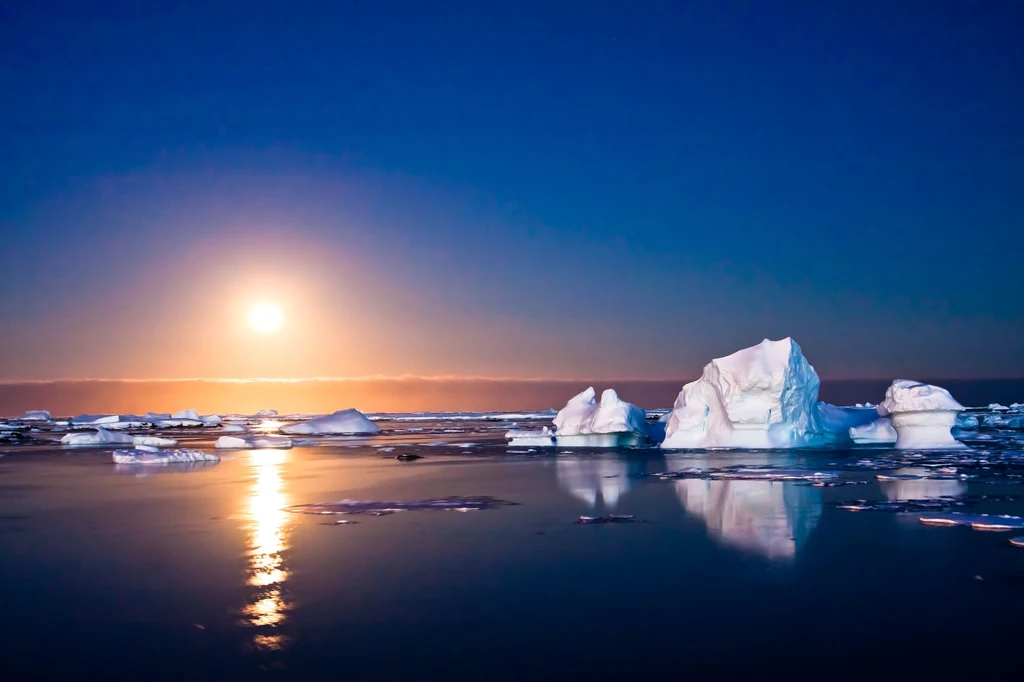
(266,318)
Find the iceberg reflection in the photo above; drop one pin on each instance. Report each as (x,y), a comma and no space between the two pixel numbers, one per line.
(593,479)
(268,540)
(921,489)
(771,519)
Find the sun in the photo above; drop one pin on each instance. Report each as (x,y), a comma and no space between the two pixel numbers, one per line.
(266,318)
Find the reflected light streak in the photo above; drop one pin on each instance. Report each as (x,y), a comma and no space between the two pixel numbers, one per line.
(268,540)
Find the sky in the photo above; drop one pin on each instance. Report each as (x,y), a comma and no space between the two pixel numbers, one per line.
(509,189)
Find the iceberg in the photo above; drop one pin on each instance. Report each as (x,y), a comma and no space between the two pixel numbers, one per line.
(586,423)
(266,413)
(342,422)
(232,428)
(154,442)
(145,455)
(256,442)
(98,437)
(922,415)
(761,397)
(876,432)
(35,416)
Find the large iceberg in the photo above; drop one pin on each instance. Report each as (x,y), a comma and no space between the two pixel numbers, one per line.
(761,397)
(342,422)
(35,416)
(586,423)
(921,414)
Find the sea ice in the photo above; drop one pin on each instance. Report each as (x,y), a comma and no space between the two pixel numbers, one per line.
(374,508)
(35,416)
(100,436)
(586,423)
(266,413)
(152,456)
(232,428)
(921,414)
(154,441)
(976,521)
(878,431)
(517,437)
(761,397)
(258,442)
(342,422)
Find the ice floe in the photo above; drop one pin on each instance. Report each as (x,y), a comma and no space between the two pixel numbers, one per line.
(35,416)
(517,437)
(101,436)
(922,415)
(342,422)
(461,504)
(989,522)
(258,442)
(144,455)
(761,397)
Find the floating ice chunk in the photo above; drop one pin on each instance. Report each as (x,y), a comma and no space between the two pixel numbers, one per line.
(95,438)
(760,397)
(190,414)
(965,421)
(35,416)
(151,456)
(361,507)
(1003,421)
(611,518)
(1017,407)
(257,442)
(878,431)
(232,428)
(581,416)
(266,413)
(921,414)
(517,437)
(210,420)
(997,406)
(154,441)
(1017,542)
(342,422)
(976,521)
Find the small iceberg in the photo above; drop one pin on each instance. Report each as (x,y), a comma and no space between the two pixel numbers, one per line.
(922,415)
(610,423)
(266,413)
(144,455)
(100,436)
(342,422)
(260,442)
(35,416)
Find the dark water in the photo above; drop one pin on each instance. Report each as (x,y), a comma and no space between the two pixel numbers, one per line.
(198,573)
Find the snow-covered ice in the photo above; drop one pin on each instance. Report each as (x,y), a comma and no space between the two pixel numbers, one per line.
(145,455)
(35,416)
(922,415)
(266,413)
(879,431)
(154,441)
(765,396)
(342,422)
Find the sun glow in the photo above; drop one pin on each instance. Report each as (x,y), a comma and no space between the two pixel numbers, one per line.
(266,318)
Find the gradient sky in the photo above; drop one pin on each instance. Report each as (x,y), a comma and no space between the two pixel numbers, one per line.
(561,189)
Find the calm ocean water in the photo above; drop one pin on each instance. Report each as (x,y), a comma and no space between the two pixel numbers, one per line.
(199,572)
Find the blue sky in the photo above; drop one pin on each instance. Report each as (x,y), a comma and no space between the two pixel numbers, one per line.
(510,188)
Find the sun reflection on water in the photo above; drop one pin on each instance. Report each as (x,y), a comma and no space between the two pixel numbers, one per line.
(268,540)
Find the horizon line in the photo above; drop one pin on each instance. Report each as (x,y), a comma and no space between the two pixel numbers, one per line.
(416,377)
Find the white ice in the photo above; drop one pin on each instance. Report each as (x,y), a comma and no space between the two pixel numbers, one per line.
(35,416)
(342,422)
(921,414)
(232,428)
(100,436)
(154,441)
(266,413)
(150,456)
(586,423)
(765,396)
(256,441)
(525,438)
(878,431)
